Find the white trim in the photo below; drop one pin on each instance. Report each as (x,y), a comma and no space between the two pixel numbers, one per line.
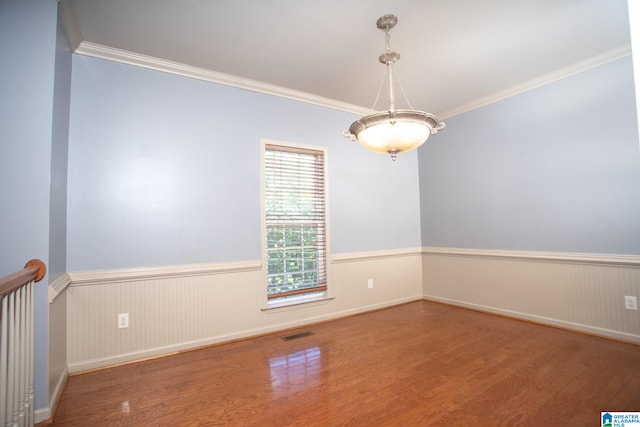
(594,330)
(172,349)
(565,257)
(290,144)
(299,303)
(134,274)
(124,57)
(375,255)
(545,79)
(70,20)
(57,391)
(41,415)
(121,56)
(46,414)
(57,286)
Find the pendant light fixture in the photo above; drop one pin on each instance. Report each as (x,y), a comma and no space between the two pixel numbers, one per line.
(393,131)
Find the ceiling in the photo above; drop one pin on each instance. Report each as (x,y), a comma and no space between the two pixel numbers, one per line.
(455,54)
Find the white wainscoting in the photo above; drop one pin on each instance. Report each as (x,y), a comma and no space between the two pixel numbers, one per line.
(583,292)
(183,307)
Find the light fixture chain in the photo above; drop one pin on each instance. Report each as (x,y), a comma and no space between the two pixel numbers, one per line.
(404,95)
(384,75)
(392,104)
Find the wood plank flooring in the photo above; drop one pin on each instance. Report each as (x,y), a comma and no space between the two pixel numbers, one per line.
(418,364)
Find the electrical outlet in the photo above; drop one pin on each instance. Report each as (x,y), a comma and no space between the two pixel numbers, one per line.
(123,320)
(630,303)
(370,283)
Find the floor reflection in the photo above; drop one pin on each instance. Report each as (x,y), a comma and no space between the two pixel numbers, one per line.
(296,370)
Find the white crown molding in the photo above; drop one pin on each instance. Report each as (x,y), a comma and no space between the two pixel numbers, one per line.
(121,56)
(134,274)
(374,255)
(70,19)
(57,286)
(117,55)
(95,50)
(565,257)
(543,80)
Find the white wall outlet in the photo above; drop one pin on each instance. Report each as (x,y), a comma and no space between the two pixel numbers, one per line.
(630,303)
(123,320)
(370,283)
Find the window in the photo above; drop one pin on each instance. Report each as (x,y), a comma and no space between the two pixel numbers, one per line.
(295,220)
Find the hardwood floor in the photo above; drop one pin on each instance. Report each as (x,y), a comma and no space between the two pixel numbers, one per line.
(418,364)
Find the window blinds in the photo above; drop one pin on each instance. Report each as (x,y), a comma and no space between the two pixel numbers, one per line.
(295,221)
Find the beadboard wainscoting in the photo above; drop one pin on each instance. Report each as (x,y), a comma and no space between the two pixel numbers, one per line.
(583,292)
(184,307)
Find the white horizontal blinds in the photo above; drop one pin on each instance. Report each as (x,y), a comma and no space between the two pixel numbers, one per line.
(295,221)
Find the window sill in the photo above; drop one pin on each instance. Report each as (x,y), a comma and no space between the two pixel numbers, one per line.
(300,303)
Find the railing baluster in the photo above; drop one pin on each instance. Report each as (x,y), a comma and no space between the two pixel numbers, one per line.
(31,344)
(16,345)
(12,358)
(4,355)
(22,346)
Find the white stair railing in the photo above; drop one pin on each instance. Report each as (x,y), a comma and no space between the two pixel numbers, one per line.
(16,345)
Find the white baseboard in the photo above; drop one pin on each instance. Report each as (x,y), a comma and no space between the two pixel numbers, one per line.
(173,349)
(44,414)
(41,415)
(578,291)
(592,330)
(57,391)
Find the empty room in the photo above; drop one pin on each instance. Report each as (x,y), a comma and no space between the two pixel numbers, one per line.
(278,212)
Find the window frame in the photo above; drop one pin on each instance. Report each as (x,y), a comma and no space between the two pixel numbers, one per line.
(305,295)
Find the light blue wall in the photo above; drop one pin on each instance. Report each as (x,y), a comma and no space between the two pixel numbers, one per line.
(165,170)
(27,42)
(28,46)
(553,169)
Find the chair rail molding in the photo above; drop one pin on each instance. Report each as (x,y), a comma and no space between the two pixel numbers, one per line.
(572,257)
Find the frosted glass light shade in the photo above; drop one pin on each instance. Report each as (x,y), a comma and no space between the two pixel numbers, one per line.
(395,132)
